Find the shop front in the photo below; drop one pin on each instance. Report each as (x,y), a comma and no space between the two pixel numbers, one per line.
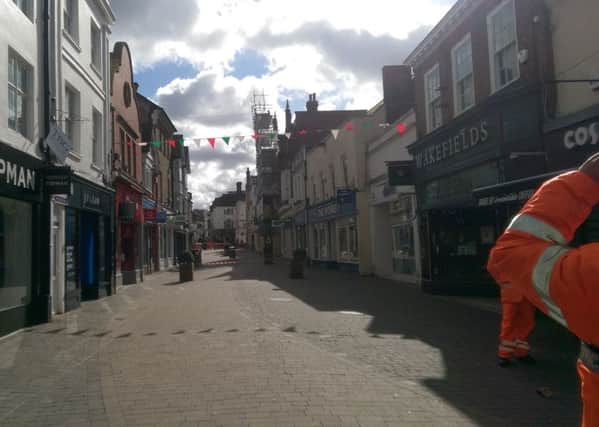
(129,233)
(23,295)
(88,242)
(333,232)
(498,141)
(151,236)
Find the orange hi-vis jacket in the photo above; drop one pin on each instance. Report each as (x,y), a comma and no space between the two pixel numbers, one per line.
(533,256)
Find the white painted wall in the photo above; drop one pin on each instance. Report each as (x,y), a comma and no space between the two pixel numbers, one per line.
(22,34)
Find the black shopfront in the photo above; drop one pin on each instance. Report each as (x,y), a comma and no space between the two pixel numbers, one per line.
(23,296)
(89,237)
(497,141)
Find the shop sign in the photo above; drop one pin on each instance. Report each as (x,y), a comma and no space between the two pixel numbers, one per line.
(517,196)
(58,180)
(275,223)
(58,143)
(582,135)
(15,174)
(400,173)
(461,141)
(323,212)
(90,199)
(127,211)
(180,219)
(149,215)
(161,217)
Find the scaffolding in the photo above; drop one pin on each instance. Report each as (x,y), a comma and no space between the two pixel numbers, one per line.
(263,123)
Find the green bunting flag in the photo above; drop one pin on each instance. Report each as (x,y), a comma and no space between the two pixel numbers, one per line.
(226,139)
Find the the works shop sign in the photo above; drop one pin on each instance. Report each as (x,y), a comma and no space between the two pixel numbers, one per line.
(460,141)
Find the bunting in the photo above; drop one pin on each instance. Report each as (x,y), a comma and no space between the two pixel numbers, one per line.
(226,139)
(349,126)
(401,128)
(288,135)
(212,141)
(335,133)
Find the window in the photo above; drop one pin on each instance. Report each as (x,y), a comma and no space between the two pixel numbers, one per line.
(148,174)
(463,76)
(123,149)
(25,6)
(503,48)
(70,18)
(96,45)
(432,87)
(404,259)
(342,240)
(345,172)
(332,172)
(97,140)
(71,116)
(353,241)
(18,94)
(15,253)
(314,190)
(323,184)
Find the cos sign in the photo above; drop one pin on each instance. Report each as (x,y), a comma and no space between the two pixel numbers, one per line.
(582,136)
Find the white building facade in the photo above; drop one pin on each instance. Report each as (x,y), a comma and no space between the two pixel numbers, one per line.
(393,221)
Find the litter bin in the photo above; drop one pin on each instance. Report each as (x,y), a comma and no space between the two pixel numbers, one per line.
(186,267)
(297,264)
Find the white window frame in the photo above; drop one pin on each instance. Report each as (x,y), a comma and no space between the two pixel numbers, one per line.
(430,126)
(70,16)
(72,119)
(97,138)
(96,47)
(25,6)
(457,108)
(22,91)
(492,54)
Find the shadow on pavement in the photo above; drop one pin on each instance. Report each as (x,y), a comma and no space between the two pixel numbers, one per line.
(466,337)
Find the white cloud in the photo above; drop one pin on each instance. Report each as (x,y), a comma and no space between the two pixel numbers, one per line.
(333,48)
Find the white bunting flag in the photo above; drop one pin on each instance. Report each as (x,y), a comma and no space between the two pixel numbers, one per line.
(288,135)
(197,141)
(335,132)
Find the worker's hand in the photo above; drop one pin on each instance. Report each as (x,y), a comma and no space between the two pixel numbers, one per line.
(591,167)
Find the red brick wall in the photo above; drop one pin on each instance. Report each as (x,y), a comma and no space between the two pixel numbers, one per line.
(476,25)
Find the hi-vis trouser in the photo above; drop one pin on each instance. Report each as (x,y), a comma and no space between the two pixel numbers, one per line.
(517,322)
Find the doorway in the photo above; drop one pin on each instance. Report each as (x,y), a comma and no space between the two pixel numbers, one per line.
(58,260)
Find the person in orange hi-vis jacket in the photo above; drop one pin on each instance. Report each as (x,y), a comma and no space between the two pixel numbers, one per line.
(517,322)
(533,256)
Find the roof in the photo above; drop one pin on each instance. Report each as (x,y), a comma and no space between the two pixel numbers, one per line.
(146,106)
(325,120)
(229,199)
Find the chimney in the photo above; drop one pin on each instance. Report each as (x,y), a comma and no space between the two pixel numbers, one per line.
(239,187)
(135,87)
(287,117)
(312,104)
(398,90)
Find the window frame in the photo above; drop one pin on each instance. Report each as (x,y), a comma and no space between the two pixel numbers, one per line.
(97,67)
(70,15)
(22,92)
(457,108)
(429,125)
(68,120)
(26,7)
(97,138)
(491,39)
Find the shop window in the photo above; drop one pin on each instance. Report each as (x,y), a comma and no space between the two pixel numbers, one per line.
(323,242)
(404,260)
(353,241)
(501,24)
(463,76)
(432,87)
(15,253)
(19,94)
(343,248)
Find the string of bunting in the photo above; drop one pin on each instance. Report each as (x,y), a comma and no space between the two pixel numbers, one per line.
(400,128)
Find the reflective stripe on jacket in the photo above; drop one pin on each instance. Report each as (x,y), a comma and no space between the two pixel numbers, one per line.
(533,257)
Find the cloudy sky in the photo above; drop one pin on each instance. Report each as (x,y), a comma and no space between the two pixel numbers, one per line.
(202,59)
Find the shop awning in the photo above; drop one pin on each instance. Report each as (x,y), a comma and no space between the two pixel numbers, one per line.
(512,191)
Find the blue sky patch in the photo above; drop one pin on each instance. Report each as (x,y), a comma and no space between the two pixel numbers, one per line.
(161,73)
(248,62)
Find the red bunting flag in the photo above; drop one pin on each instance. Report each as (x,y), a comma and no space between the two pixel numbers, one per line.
(255,136)
(303,132)
(349,126)
(212,141)
(401,128)
(171,142)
